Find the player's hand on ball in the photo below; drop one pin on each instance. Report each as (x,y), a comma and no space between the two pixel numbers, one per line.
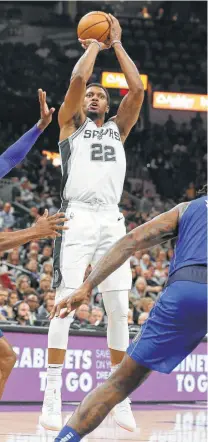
(115,29)
(86,43)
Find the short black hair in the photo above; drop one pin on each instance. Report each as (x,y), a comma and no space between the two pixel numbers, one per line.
(102,87)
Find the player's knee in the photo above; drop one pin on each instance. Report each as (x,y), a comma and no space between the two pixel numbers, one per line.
(116,305)
(120,314)
(58,333)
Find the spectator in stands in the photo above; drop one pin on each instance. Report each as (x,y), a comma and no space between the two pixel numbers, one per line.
(46,255)
(146,304)
(145,262)
(29,219)
(22,284)
(144,13)
(45,285)
(142,318)
(190,192)
(33,247)
(97,317)
(81,317)
(45,309)
(7,219)
(130,317)
(170,253)
(33,302)
(22,313)
(48,269)
(14,258)
(159,273)
(3,301)
(162,256)
(154,284)
(160,14)
(8,308)
(34,275)
(140,289)
(26,196)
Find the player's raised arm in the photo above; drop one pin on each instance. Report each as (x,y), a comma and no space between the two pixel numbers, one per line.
(129,109)
(46,226)
(82,71)
(18,151)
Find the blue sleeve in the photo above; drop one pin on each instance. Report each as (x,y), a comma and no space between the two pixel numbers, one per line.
(18,151)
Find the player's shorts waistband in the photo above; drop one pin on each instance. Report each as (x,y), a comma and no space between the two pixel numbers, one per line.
(94,205)
(195,273)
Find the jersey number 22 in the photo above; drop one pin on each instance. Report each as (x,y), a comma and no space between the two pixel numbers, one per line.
(102,153)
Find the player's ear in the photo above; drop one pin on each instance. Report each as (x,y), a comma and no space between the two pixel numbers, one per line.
(107,110)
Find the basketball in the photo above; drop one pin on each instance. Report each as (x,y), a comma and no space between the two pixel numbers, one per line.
(94,25)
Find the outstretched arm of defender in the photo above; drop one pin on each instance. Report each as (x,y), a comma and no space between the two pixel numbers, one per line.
(129,109)
(46,226)
(156,231)
(82,71)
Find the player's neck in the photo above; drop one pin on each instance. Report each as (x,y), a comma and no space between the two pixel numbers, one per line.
(98,121)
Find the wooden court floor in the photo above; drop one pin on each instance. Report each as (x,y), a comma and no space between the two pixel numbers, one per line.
(158,423)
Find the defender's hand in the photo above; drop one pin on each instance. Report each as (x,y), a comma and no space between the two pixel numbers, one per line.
(45,112)
(49,226)
(72,302)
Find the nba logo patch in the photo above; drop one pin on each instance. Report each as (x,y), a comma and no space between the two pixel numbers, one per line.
(57,277)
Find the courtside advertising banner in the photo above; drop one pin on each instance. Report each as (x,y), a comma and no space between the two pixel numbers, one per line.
(178,101)
(117,80)
(87,365)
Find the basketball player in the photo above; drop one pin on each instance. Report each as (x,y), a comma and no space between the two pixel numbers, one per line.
(176,324)
(93,167)
(46,226)
(18,151)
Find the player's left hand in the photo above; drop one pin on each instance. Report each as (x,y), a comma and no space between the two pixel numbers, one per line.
(45,112)
(86,43)
(115,29)
(72,302)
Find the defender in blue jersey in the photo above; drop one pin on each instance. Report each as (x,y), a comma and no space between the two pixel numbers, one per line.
(176,324)
(46,226)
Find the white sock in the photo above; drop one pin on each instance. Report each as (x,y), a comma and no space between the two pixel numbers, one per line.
(54,372)
(114,368)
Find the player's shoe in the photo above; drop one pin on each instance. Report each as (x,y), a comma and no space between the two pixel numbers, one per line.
(123,415)
(51,418)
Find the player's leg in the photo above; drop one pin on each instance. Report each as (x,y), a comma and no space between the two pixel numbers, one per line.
(57,345)
(96,406)
(116,306)
(7,361)
(72,256)
(115,296)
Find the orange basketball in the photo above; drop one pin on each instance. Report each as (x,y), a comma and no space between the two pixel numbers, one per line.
(94,25)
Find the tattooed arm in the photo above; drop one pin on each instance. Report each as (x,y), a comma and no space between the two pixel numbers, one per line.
(158,230)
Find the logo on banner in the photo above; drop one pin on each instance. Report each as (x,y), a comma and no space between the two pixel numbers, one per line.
(117,80)
(177,101)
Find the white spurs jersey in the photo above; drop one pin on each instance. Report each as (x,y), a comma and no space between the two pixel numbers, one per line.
(93,164)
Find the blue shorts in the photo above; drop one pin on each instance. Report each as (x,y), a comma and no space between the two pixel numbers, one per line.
(176,325)
(1,334)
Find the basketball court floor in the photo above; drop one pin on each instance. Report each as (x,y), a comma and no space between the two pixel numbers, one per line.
(156,423)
